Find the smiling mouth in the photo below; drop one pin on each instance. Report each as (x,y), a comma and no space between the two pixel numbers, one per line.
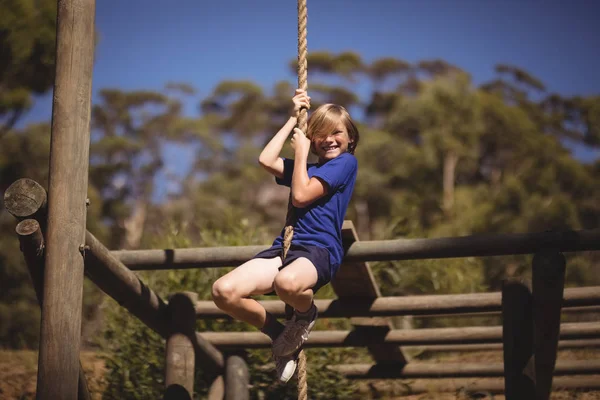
(330,148)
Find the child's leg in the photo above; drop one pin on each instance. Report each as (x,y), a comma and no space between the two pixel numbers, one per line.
(231,291)
(294,286)
(294,283)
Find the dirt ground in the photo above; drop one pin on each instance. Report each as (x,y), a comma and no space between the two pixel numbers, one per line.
(18,374)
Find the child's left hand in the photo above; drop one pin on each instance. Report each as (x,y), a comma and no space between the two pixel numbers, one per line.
(300,143)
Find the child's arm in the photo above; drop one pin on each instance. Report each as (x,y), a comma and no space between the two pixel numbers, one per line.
(269,158)
(305,190)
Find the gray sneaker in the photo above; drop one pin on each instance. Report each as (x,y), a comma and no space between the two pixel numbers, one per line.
(285,367)
(294,335)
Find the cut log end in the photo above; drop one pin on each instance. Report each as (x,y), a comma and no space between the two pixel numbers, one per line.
(27,227)
(24,198)
(549,266)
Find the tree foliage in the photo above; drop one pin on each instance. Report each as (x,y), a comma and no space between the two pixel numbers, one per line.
(439,156)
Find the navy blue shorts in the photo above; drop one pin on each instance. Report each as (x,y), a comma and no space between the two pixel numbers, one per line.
(316,255)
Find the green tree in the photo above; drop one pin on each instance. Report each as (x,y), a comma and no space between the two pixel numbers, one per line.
(27,44)
(446,118)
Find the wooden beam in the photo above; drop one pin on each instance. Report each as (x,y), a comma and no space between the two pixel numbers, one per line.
(123,285)
(429,336)
(31,239)
(480,245)
(421,370)
(60,334)
(460,348)
(485,385)
(384,250)
(420,305)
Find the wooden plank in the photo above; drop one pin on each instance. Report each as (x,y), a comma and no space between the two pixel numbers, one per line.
(377,250)
(575,300)
(471,386)
(362,337)
(60,333)
(456,370)
(355,280)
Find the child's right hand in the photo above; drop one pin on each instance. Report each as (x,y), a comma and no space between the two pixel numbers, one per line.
(300,100)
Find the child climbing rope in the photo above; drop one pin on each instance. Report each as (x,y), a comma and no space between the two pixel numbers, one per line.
(320,194)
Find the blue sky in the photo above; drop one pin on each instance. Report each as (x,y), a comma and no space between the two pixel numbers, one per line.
(146,43)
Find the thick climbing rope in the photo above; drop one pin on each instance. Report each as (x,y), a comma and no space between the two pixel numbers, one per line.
(291,217)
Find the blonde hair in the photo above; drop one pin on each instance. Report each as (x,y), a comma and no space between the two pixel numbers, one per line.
(324,120)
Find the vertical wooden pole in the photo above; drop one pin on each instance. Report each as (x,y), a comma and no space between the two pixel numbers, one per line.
(180,363)
(31,239)
(60,338)
(548,286)
(517,339)
(237,379)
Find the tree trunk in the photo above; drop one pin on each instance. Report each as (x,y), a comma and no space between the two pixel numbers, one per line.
(363,219)
(450,162)
(134,225)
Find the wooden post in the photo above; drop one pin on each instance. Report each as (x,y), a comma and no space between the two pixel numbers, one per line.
(548,285)
(517,337)
(237,379)
(217,389)
(356,281)
(32,246)
(180,362)
(60,339)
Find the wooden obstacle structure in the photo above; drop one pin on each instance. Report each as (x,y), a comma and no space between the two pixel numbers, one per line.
(520,334)
(59,250)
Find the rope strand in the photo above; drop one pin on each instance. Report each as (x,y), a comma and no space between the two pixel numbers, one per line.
(291,215)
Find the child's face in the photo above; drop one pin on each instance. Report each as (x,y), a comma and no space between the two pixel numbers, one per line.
(330,146)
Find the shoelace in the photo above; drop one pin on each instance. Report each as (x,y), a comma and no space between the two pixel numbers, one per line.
(296,330)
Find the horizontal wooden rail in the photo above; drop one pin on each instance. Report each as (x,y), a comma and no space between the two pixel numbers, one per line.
(562,345)
(467,385)
(567,310)
(379,250)
(401,337)
(409,305)
(453,370)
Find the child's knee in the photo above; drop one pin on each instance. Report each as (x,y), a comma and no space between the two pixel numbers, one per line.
(223,292)
(287,284)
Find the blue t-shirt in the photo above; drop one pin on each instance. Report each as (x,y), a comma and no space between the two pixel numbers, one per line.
(320,223)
